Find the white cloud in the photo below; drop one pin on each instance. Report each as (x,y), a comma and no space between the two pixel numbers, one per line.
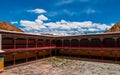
(38,11)
(14,22)
(51,14)
(89,11)
(69,12)
(42,17)
(62,27)
(34,25)
(62,2)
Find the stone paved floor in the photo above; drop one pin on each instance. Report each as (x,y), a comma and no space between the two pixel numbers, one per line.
(64,66)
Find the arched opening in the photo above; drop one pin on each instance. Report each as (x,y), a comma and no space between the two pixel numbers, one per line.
(118,42)
(40,42)
(74,43)
(7,43)
(84,43)
(59,43)
(66,43)
(108,42)
(20,43)
(31,43)
(96,42)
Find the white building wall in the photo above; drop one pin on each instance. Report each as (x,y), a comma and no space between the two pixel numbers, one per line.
(0,41)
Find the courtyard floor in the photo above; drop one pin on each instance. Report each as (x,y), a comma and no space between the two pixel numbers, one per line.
(65,66)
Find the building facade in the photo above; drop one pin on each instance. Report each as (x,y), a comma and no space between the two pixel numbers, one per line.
(16,46)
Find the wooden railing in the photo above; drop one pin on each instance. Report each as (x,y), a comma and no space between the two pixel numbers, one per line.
(28,49)
(34,47)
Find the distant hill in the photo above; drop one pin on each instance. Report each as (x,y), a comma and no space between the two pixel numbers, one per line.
(9,27)
(114,28)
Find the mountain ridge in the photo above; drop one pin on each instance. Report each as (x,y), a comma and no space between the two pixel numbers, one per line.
(9,27)
(114,28)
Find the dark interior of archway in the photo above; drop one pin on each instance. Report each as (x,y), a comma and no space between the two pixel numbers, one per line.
(66,43)
(84,43)
(58,43)
(108,42)
(31,43)
(74,43)
(20,43)
(95,42)
(7,43)
(118,42)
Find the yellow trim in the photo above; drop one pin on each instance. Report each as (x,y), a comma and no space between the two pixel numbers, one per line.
(1,65)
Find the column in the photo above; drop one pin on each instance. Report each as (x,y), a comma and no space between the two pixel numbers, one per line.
(1,56)
(70,42)
(27,43)
(14,43)
(50,42)
(62,43)
(27,54)
(101,39)
(36,42)
(36,54)
(44,42)
(115,41)
(79,43)
(89,42)
(14,59)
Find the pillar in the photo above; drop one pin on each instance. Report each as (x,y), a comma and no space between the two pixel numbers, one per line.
(1,56)
(102,55)
(36,42)
(14,59)
(14,43)
(79,43)
(70,42)
(36,54)
(115,43)
(27,43)
(101,39)
(50,43)
(44,43)
(27,54)
(62,43)
(89,42)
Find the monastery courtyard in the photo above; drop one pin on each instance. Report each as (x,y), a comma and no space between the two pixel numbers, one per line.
(65,66)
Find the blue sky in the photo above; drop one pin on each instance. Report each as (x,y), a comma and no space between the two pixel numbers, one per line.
(61,16)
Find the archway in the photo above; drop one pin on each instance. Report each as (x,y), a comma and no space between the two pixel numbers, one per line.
(74,43)
(20,43)
(108,42)
(118,42)
(84,42)
(59,43)
(31,43)
(96,42)
(66,43)
(7,43)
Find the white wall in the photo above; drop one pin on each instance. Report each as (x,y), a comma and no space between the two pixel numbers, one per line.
(0,41)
